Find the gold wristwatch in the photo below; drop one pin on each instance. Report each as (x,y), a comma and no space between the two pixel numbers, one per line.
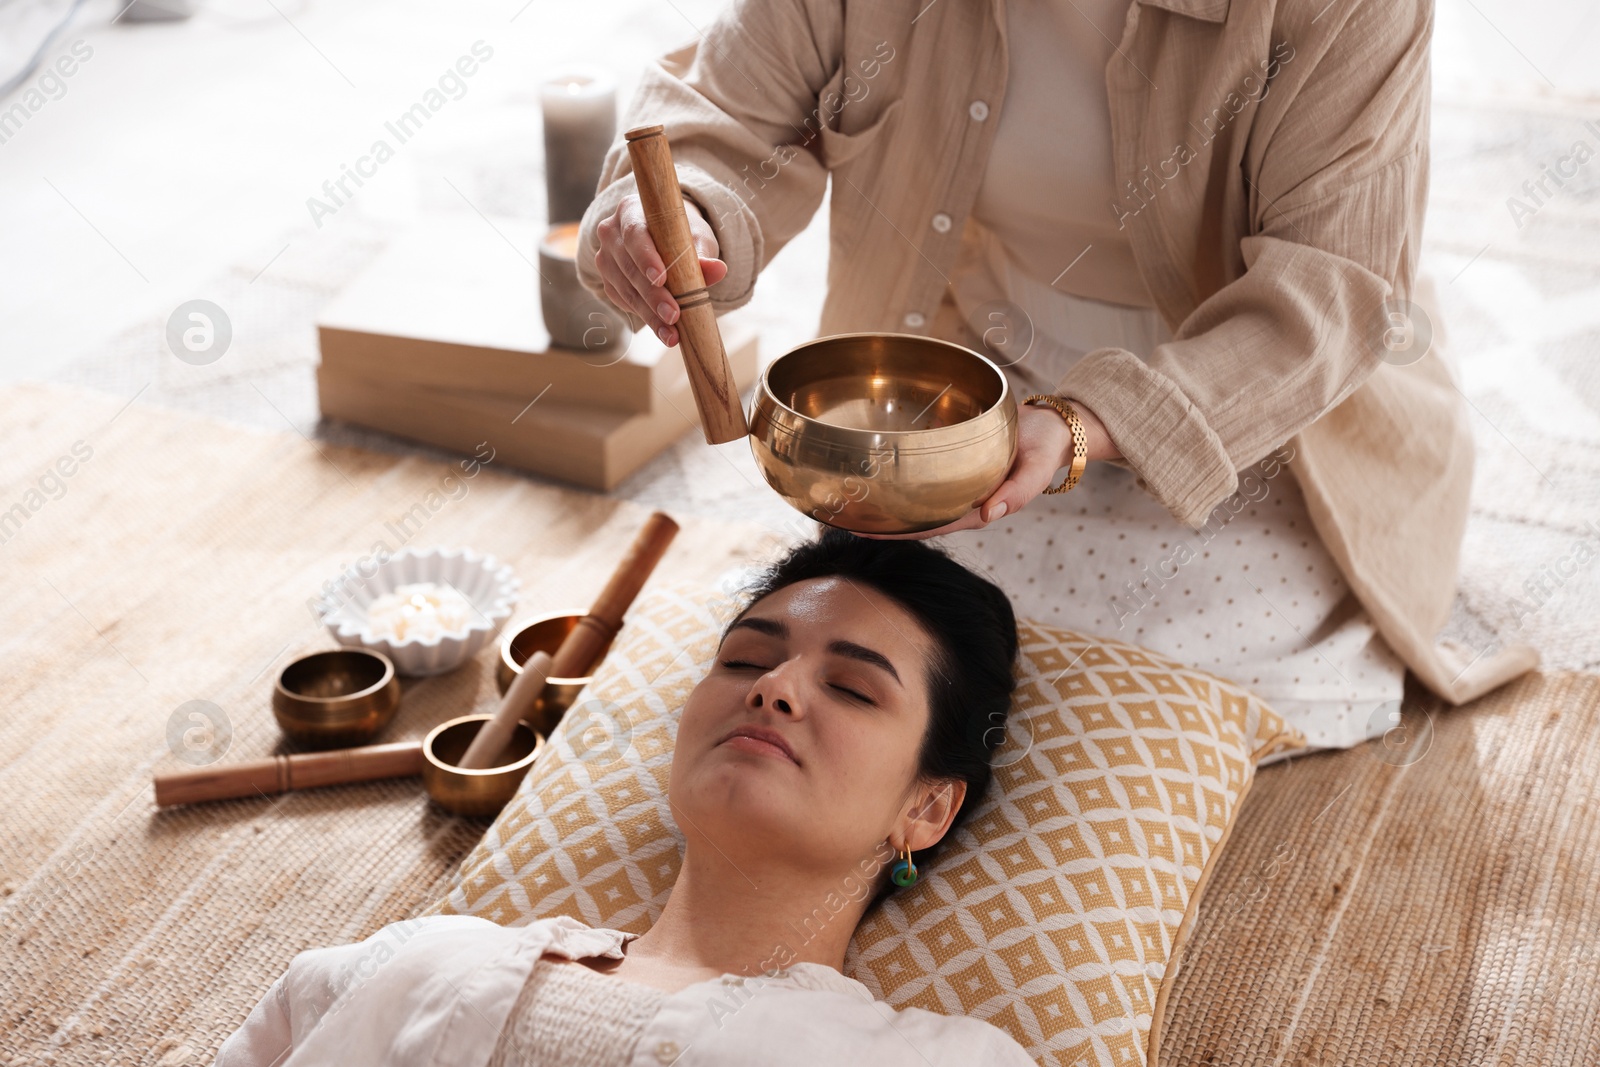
(1080,436)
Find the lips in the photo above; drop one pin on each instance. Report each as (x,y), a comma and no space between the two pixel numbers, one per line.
(765,736)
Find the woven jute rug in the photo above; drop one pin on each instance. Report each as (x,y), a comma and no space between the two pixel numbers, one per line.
(1431,898)
(1427,901)
(173,565)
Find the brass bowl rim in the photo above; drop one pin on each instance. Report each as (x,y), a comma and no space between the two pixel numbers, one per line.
(316,703)
(509,634)
(764,392)
(450,768)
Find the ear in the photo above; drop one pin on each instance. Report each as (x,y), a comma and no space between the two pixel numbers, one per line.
(929,811)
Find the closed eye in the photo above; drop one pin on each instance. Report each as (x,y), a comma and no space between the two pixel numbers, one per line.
(739,664)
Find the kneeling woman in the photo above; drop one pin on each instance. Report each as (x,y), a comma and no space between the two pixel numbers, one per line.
(849,716)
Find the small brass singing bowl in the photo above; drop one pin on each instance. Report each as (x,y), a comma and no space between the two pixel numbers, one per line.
(543,634)
(883,433)
(345,696)
(477,794)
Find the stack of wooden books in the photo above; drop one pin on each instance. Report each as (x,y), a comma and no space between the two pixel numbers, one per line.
(441,340)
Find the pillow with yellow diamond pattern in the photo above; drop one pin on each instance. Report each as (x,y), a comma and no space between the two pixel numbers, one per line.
(1056,911)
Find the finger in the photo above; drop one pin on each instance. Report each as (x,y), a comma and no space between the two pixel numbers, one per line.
(1006,500)
(619,300)
(609,281)
(704,238)
(714,270)
(636,240)
(642,263)
(621,293)
(624,296)
(1031,474)
(622,302)
(700,229)
(662,307)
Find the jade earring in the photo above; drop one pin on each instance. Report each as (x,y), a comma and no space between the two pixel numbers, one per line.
(904,872)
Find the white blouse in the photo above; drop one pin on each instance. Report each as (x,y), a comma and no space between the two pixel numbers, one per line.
(439,990)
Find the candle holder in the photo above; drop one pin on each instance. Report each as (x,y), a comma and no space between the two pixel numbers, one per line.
(574,317)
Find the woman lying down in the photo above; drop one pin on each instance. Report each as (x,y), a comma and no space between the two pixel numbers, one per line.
(848,718)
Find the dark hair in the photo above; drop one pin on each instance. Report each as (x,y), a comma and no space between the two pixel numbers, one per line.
(974,631)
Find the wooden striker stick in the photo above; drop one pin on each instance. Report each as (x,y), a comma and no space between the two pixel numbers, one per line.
(580,648)
(401,759)
(521,695)
(716,394)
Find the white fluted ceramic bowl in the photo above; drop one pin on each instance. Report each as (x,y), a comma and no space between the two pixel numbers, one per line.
(488,584)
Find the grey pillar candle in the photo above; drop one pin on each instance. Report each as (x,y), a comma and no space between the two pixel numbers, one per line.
(580,122)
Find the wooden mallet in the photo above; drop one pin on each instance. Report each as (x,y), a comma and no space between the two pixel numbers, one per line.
(579,650)
(401,759)
(716,394)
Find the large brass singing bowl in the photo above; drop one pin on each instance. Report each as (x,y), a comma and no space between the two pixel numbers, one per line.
(883,433)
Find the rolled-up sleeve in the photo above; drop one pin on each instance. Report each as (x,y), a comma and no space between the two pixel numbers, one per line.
(1336,177)
(736,105)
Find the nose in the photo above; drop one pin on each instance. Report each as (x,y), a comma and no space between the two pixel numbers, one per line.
(777,689)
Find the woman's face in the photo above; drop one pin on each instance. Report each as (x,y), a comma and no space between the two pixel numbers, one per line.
(801,743)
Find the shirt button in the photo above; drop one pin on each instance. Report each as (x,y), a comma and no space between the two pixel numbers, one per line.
(979,110)
(734,980)
(666,1051)
(915,320)
(941,222)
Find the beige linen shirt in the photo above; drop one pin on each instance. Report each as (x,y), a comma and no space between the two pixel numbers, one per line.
(1271,163)
(436,991)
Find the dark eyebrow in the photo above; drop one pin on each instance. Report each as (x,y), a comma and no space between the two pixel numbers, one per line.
(865,655)
(779,629)
(770,627)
